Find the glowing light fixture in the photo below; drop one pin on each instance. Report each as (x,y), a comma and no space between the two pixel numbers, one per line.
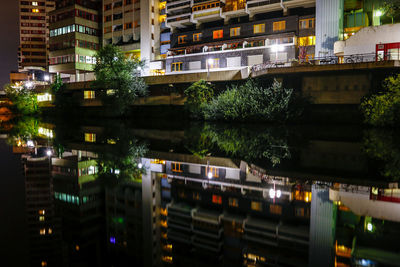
(210,175)
(370,227)
(378,13)
(49,153)
(30,143)
(140,165)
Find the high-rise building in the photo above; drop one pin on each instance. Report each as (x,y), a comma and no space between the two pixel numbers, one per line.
(33,31)
(74,38)
(234,34)
(137,27)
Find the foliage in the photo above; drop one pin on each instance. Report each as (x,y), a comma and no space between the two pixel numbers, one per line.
(64,100)
(24,99)
(24,128)
(251,102)
(384,146)
(246,143)
(391,8)
(198,93)
(383,109)
(119,77)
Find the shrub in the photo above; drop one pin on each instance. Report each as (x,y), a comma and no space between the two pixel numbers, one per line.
(251,102)
(198,93)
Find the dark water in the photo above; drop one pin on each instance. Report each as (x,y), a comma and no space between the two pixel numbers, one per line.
(110,193)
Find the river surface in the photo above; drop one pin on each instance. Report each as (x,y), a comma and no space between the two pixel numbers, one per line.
(163,193)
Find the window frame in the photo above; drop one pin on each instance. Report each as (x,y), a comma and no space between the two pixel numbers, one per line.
(235,31)
(259,28)
(218,34)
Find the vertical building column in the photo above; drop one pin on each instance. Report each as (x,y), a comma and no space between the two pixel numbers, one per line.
(328,26)
(145,33)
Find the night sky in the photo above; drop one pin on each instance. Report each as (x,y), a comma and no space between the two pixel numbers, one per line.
(8,39)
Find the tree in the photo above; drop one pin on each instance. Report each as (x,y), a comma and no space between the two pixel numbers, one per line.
(23,98)
(383,108)
(119,78)
(198,93)
(391,8)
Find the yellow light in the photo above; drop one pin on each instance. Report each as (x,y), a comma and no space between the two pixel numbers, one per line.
(35,10)
(41,218)
(50,231)
(164,212)
(77,247)
(42,212)
(164,223)
(42,231)
(44,263)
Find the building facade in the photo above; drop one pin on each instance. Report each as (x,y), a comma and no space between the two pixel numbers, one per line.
(236,34)
(74,39)
(33,34)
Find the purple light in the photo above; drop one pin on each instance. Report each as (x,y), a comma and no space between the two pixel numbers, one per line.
(112,240)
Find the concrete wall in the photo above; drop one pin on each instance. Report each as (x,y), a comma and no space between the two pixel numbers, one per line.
(366,39)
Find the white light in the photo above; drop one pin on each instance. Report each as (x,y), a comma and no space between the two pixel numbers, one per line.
(140,165)
(210,61)
(139,68)
(277,48)
(278,193)
(46,77)
(210,175)
(271,193)
(49,153)
(30,143)
(29,84)
(116,171)
(369,227)
(378,13)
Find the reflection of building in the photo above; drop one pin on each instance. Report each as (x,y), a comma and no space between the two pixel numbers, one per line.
(74,38)
(44,231)
(366,225)
(236,34)
(79,202)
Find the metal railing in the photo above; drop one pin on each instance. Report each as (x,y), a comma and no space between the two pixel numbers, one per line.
(327,60)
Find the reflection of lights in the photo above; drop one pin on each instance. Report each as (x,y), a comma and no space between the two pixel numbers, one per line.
(210,61)
(112,240)
(29,85)
(49,153)
(209,175)
(46,78)
(140,165)
(271,193)
(116,171)
(30,143)
(278,193)
(369,227)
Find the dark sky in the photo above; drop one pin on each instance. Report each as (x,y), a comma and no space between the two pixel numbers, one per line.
(8,39)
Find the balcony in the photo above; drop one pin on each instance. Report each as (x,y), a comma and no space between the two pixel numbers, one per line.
(264,6)
(234,9)
(206,15)
(178,20)
(176,6)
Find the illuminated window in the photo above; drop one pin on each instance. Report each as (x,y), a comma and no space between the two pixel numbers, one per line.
(77,247)
(233,202)
(42,212)
(167,259)
(128,25)
(177,66)
(306,41)
(90,137)
(34,3)
(279,26)
(44,263)
(255,205)
(182,39)
(218,34)
(307,23)
(212,170)
(176,167)
(41,218)
(235,31)
(342,251)
(89,94)
(42,231)
(259,28)
(35,10)
(50,231)
(213,63)
(275,209)
(216,199)
(196,196)
(164,211)
(302,196)
(196,37)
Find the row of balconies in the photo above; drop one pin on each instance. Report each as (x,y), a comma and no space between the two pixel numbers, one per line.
(183,13)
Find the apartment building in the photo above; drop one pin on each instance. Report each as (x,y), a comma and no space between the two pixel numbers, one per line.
(33,36)
(74,39)
(136,27)
(213,35)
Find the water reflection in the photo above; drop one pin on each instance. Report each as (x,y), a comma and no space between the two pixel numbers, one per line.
(116,195)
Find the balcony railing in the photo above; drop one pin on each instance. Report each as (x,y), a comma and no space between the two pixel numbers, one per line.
(229,8)
(256,3)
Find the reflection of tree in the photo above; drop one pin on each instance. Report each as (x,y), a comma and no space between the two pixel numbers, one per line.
(383,146)
(245,142)
(23,129)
